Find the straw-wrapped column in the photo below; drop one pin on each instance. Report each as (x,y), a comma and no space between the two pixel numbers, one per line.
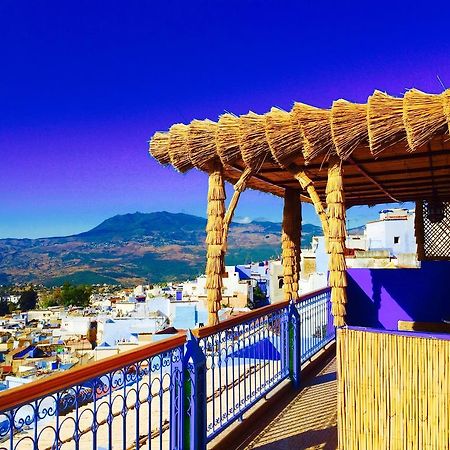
(239,187)
(307,184)
(336,241)
(290,243)
(214,232)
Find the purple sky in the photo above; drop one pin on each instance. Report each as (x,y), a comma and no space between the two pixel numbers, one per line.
(84,85)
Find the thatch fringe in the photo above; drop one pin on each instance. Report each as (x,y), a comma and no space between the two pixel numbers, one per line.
(214,228)
(348,126)
(338,262)
(213,251)
(315,127)
(158,147)
(423,116)
(336,227)
(306,132)
(216,192)
(213,208)
(214,264)
(253,143)
(239,187)
(202,142)
(336,247)
(336,211)
(384,121)
(227,138)
(338,310)
(285,139)
(336,240)
(335,197)
(290,243)
(446,105)
(337,278)
(178,151)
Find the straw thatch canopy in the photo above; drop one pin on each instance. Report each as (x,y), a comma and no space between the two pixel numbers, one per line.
(391,148)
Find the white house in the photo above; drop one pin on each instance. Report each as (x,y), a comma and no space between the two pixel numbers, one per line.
(393,231)
(236,292)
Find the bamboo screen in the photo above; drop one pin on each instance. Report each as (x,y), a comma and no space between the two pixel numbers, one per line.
(433,230)
(394,391)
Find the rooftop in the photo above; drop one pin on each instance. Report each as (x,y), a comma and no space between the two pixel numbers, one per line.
(388,147)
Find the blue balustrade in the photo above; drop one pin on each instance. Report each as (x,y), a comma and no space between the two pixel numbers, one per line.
(174,394)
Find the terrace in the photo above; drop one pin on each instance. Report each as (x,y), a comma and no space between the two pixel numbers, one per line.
(182,392)
(393,348)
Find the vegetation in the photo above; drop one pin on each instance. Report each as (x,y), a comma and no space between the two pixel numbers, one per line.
(28,300)
(4,307)
(259,298)
(68,295)
(134,249)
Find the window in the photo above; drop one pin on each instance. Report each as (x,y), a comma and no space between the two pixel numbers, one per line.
(280,282)
(396,239)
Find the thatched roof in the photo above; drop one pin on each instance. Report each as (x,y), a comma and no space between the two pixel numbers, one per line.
(391,148)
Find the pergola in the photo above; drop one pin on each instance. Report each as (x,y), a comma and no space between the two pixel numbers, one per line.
(389,149)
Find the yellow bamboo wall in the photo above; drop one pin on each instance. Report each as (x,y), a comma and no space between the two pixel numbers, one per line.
(394,391)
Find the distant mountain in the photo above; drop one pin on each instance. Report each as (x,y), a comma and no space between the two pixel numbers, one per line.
(133,248)
(356,231)
(158,226)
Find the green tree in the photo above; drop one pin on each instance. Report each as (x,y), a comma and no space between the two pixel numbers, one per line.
(4,307)
(28,300)
(48,300)
(259,298)
(72,295)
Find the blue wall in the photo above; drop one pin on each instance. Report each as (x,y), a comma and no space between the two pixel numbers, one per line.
(381,297)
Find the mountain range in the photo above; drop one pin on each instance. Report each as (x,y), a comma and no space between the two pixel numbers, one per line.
(135,248)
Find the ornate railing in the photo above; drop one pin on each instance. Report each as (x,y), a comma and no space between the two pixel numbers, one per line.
(174,394)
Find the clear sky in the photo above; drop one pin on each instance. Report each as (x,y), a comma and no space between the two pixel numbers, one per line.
(84,85)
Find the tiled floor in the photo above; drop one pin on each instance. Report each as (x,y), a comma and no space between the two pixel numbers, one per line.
(308,421)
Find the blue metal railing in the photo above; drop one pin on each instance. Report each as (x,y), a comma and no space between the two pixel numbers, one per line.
(175,394)
(245,361)
(316,323)
(122,402)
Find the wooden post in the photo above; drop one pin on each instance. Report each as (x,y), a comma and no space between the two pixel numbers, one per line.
(336,240)
(290,243)
(239,187)
(307,184)
(214,233)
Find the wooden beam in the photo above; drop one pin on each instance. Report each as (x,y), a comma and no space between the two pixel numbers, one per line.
(370,178)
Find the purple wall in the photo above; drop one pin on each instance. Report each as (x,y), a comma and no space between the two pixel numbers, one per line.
(379,298)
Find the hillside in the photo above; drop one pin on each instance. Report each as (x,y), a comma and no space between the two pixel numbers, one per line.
(133,248)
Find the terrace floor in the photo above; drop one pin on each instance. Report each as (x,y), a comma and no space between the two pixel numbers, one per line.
(308,421)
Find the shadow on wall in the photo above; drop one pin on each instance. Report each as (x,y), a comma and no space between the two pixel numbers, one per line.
(379,298)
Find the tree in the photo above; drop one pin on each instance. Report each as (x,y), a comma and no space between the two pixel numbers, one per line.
(48,300)
(259,298)
(28,300)
(4,307)
(72,295)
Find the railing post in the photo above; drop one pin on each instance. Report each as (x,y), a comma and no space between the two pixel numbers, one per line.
(294,345)
(331,329)
(194,393)
(176,400)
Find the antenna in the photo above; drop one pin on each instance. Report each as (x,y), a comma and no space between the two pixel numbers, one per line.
(440,81)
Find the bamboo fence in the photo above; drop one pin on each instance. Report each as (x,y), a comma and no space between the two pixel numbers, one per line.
(393,391)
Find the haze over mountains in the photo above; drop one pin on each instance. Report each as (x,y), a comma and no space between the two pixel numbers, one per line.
(135,248)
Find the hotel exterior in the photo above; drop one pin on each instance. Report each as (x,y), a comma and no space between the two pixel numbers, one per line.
(391,326)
